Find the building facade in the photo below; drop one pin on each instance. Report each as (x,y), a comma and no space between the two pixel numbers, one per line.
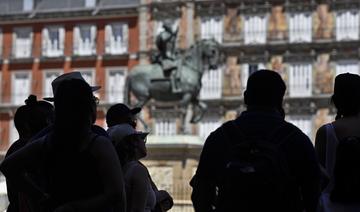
(307,42)
(41,39)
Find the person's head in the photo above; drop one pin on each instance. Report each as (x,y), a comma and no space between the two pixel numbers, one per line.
(265,89)
(32,117)
(75,75)
(346,97)
(121,114)
(74,107)
(129,143)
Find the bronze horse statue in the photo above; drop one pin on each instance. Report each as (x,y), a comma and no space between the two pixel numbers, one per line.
(148,81)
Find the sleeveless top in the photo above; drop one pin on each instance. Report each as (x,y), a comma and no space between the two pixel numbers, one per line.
(151,196)
(325,202)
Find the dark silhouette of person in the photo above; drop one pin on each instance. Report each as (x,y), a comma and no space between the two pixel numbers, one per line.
(29,119)
(55,83)
(82,169)
(121,114)
(257,132)
(346,99)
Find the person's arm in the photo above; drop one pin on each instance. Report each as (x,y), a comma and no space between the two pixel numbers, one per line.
(139,185)
(204,182)
(306,166)
(320,144)
(15,165)
(111,177)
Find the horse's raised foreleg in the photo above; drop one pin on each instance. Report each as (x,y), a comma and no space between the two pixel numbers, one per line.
(185,100)
(199,110)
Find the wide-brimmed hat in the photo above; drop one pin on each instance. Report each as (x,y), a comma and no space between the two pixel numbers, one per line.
(118,132)
(64,77)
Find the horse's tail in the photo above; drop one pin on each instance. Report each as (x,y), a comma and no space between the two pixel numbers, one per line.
(127,90)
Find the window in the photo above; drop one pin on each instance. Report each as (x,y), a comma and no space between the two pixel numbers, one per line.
(300,80)
(347,66)
(21,87)
(28,5)
(300,27)
(247,70)
(53,39)
(211,84)
(22,42)
(115,85)
(49,76)
(255,29)
(347,25)
(165,127)
(208,125)
(90,3)
(116,38)
(304,123)
(212,27)
(85,40)
(13,133)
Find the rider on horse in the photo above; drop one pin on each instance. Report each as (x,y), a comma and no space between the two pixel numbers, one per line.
(166,43)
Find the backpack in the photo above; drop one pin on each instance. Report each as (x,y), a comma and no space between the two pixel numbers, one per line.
(347,172)
(256,175)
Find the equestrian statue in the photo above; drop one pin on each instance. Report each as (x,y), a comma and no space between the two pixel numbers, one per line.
(171,76)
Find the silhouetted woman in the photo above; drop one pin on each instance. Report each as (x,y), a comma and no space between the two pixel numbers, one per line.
(330,140)
(82,170)
(130,146)
(29,119)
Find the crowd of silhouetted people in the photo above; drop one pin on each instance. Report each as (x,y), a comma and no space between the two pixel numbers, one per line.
(64,162)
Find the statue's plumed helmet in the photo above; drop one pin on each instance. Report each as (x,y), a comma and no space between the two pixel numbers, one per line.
(167,24)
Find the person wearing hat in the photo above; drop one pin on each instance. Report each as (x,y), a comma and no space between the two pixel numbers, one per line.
(75,75)
(121,114)
(80,168)
(329,137)
(130,147)
(228,176)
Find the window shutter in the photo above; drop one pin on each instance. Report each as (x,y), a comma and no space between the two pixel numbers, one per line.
(14,42)
(62,39)
(76,41)
(93,38)
(108,34)
(125,37)
(45,41)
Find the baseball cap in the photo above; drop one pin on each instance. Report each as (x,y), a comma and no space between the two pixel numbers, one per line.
(119,111)
(118,132)
(64,77)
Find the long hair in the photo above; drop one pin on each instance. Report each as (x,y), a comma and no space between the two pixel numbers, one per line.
(32,117)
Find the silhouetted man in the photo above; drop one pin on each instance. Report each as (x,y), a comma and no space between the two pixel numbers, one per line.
(258,162)
(122,114)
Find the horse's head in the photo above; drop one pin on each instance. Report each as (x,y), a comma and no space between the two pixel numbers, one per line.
(210,52)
